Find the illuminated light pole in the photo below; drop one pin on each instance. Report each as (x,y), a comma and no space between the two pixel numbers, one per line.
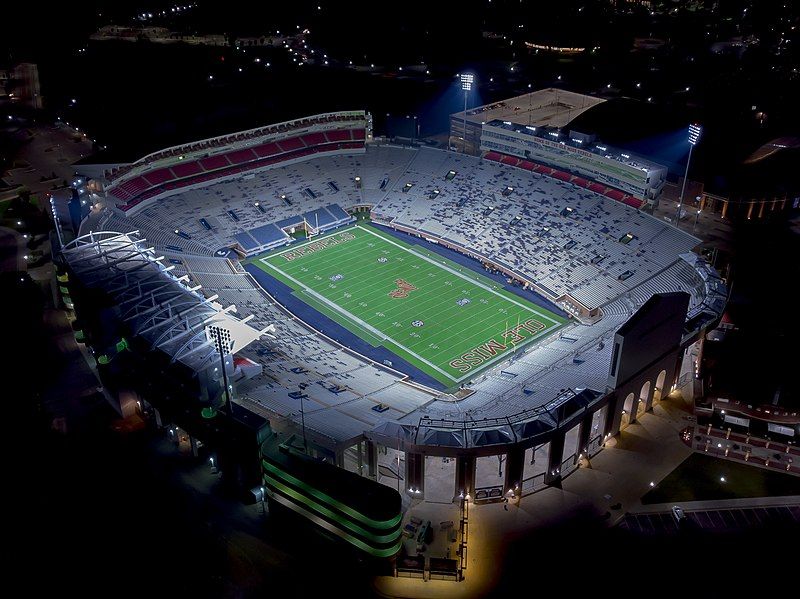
(696,217)
(221,349)
(467,80)
(694,136)
(530,101)
(303,422)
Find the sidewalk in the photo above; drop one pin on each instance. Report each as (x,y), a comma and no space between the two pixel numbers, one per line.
(645,451)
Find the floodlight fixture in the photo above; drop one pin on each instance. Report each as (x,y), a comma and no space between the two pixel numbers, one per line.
(694,133)
(694,136)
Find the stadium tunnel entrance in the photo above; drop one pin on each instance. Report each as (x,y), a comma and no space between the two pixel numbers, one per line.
(569,455)
(489,476)
(440,479)
(535,466)
(391,465)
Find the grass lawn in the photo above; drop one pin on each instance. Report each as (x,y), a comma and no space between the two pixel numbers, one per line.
(447,320)
(698,479)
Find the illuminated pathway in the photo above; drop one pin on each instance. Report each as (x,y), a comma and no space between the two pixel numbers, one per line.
(644,452)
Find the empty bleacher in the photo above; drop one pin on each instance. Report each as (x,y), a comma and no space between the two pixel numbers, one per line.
(564,225)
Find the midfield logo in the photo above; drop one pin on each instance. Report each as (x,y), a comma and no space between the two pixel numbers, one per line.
(403,289)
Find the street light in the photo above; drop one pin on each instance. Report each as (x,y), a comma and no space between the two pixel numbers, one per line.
(694,137)
(467,80)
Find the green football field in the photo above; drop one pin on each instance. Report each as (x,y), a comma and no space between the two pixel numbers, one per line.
(443,318)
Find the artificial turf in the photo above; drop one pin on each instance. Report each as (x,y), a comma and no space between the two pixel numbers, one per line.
(447,320)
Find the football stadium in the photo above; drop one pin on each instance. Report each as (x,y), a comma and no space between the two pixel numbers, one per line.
(377,323)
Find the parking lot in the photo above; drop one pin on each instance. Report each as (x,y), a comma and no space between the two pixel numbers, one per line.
(723,519)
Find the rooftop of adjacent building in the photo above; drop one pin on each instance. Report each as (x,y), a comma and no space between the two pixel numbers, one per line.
(552,106)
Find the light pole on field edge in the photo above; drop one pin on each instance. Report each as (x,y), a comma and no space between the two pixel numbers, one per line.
(467,80)
(694,136)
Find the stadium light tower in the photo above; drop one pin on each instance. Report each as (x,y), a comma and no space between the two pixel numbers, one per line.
(694,137)
(467,79)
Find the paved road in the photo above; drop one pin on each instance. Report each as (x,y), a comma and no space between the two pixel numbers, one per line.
(50,150)
(12,248)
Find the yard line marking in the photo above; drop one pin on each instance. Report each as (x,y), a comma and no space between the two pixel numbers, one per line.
(366,325)
(456,273)
(358,277)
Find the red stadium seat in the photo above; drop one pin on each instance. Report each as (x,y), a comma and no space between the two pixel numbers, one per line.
(561,175)
(214,162)
(159,176)
(293,143)
(240,156)
(269,149)
(313,139)
(186,169)
(580,181)
(338,135)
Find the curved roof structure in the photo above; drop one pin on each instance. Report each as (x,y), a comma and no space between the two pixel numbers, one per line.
(163,309)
